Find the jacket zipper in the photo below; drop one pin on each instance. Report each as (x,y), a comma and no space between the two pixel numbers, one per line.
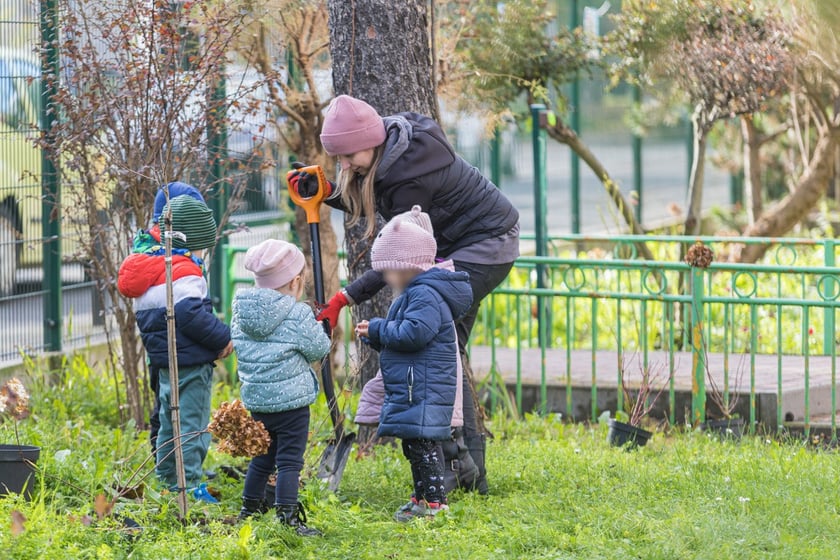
(410,384)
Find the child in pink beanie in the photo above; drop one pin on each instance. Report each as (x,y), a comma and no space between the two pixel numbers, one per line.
(418,351)
(276,337)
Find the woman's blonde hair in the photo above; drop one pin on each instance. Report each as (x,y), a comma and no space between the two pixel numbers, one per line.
(357,194)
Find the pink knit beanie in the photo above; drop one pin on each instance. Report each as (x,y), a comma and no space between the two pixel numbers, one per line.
(274,263)
(351,125)
(404,243)
(417,217)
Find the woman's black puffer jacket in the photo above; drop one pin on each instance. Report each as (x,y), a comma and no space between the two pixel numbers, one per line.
(419,166)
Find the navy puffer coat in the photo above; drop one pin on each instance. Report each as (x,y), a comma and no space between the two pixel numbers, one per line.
(418,355)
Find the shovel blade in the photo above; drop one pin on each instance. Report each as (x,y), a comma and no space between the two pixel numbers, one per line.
(334,460)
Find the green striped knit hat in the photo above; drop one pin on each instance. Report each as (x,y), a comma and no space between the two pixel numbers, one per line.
(194,219)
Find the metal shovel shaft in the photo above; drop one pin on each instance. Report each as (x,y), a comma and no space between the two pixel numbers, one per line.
(335,456)
(320,299)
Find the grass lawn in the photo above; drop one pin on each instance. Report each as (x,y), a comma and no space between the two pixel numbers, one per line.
(558,491)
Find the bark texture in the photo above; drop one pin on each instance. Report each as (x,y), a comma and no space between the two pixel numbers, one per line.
(752,168)
(701,126)
(792,209)
(381,53)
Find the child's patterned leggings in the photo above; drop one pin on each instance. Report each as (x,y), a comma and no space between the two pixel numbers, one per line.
(426,458)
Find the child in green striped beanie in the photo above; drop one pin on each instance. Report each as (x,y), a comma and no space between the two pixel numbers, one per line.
(201,338)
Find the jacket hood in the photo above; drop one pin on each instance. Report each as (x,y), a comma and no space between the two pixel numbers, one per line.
(454,288)
(140,272)
(415,145)
(259,311)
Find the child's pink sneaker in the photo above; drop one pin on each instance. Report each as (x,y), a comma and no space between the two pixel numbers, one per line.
(415,509)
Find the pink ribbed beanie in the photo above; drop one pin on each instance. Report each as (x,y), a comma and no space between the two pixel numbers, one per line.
(351,125)
(405,243)
(274,263)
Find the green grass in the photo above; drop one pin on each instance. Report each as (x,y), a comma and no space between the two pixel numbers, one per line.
(558,491)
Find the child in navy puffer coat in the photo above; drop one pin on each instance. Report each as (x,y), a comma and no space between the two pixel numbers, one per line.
(276,338)
(418,351)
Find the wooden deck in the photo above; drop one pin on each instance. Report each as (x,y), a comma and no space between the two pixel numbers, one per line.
(792,398)
(605,365)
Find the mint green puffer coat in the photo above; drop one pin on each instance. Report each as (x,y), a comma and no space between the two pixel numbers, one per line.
(276,338)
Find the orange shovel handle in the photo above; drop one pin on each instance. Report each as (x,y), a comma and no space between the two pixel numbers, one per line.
(312,204)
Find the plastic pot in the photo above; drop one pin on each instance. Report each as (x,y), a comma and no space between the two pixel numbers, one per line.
(17,465)
(622,434)
(727,428)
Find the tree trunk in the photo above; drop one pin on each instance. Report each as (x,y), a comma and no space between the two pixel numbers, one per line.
(380,53)
(569,137)
(695,185)
(792,209)
(752,169)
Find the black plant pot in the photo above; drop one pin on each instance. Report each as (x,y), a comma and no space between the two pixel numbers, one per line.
(621,435)
(727,428)
(17,465)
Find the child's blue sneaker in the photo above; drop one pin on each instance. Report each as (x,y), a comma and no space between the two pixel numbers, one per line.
(201,494)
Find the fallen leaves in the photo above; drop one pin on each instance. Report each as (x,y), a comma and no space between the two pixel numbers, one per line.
(102,506)
(18,520)
(131,492)
(85,520)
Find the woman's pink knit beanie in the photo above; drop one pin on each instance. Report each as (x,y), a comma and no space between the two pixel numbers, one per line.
(351,125)
(405,243)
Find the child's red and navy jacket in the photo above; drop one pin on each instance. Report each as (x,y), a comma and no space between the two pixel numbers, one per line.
(200,335)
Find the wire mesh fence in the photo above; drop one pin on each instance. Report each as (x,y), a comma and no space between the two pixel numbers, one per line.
(21,240)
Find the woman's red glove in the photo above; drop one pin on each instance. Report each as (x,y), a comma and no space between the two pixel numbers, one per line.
(303,183)
(333,307)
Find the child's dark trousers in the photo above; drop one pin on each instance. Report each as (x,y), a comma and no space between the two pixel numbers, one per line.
(289,431)
(426,458)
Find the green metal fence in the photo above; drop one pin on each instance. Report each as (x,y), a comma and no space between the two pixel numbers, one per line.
(32,294)
(48,302)
(763,334)
(764,330)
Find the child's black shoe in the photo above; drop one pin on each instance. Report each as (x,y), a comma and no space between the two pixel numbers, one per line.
(294,516)
(252,507)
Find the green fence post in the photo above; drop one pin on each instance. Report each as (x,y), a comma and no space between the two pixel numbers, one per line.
(637,159)
(538,114)
(829,292)
(50,180)
(698,350)
(736,188)
(217,151)
(496,157)
(228,283)
(574,121)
